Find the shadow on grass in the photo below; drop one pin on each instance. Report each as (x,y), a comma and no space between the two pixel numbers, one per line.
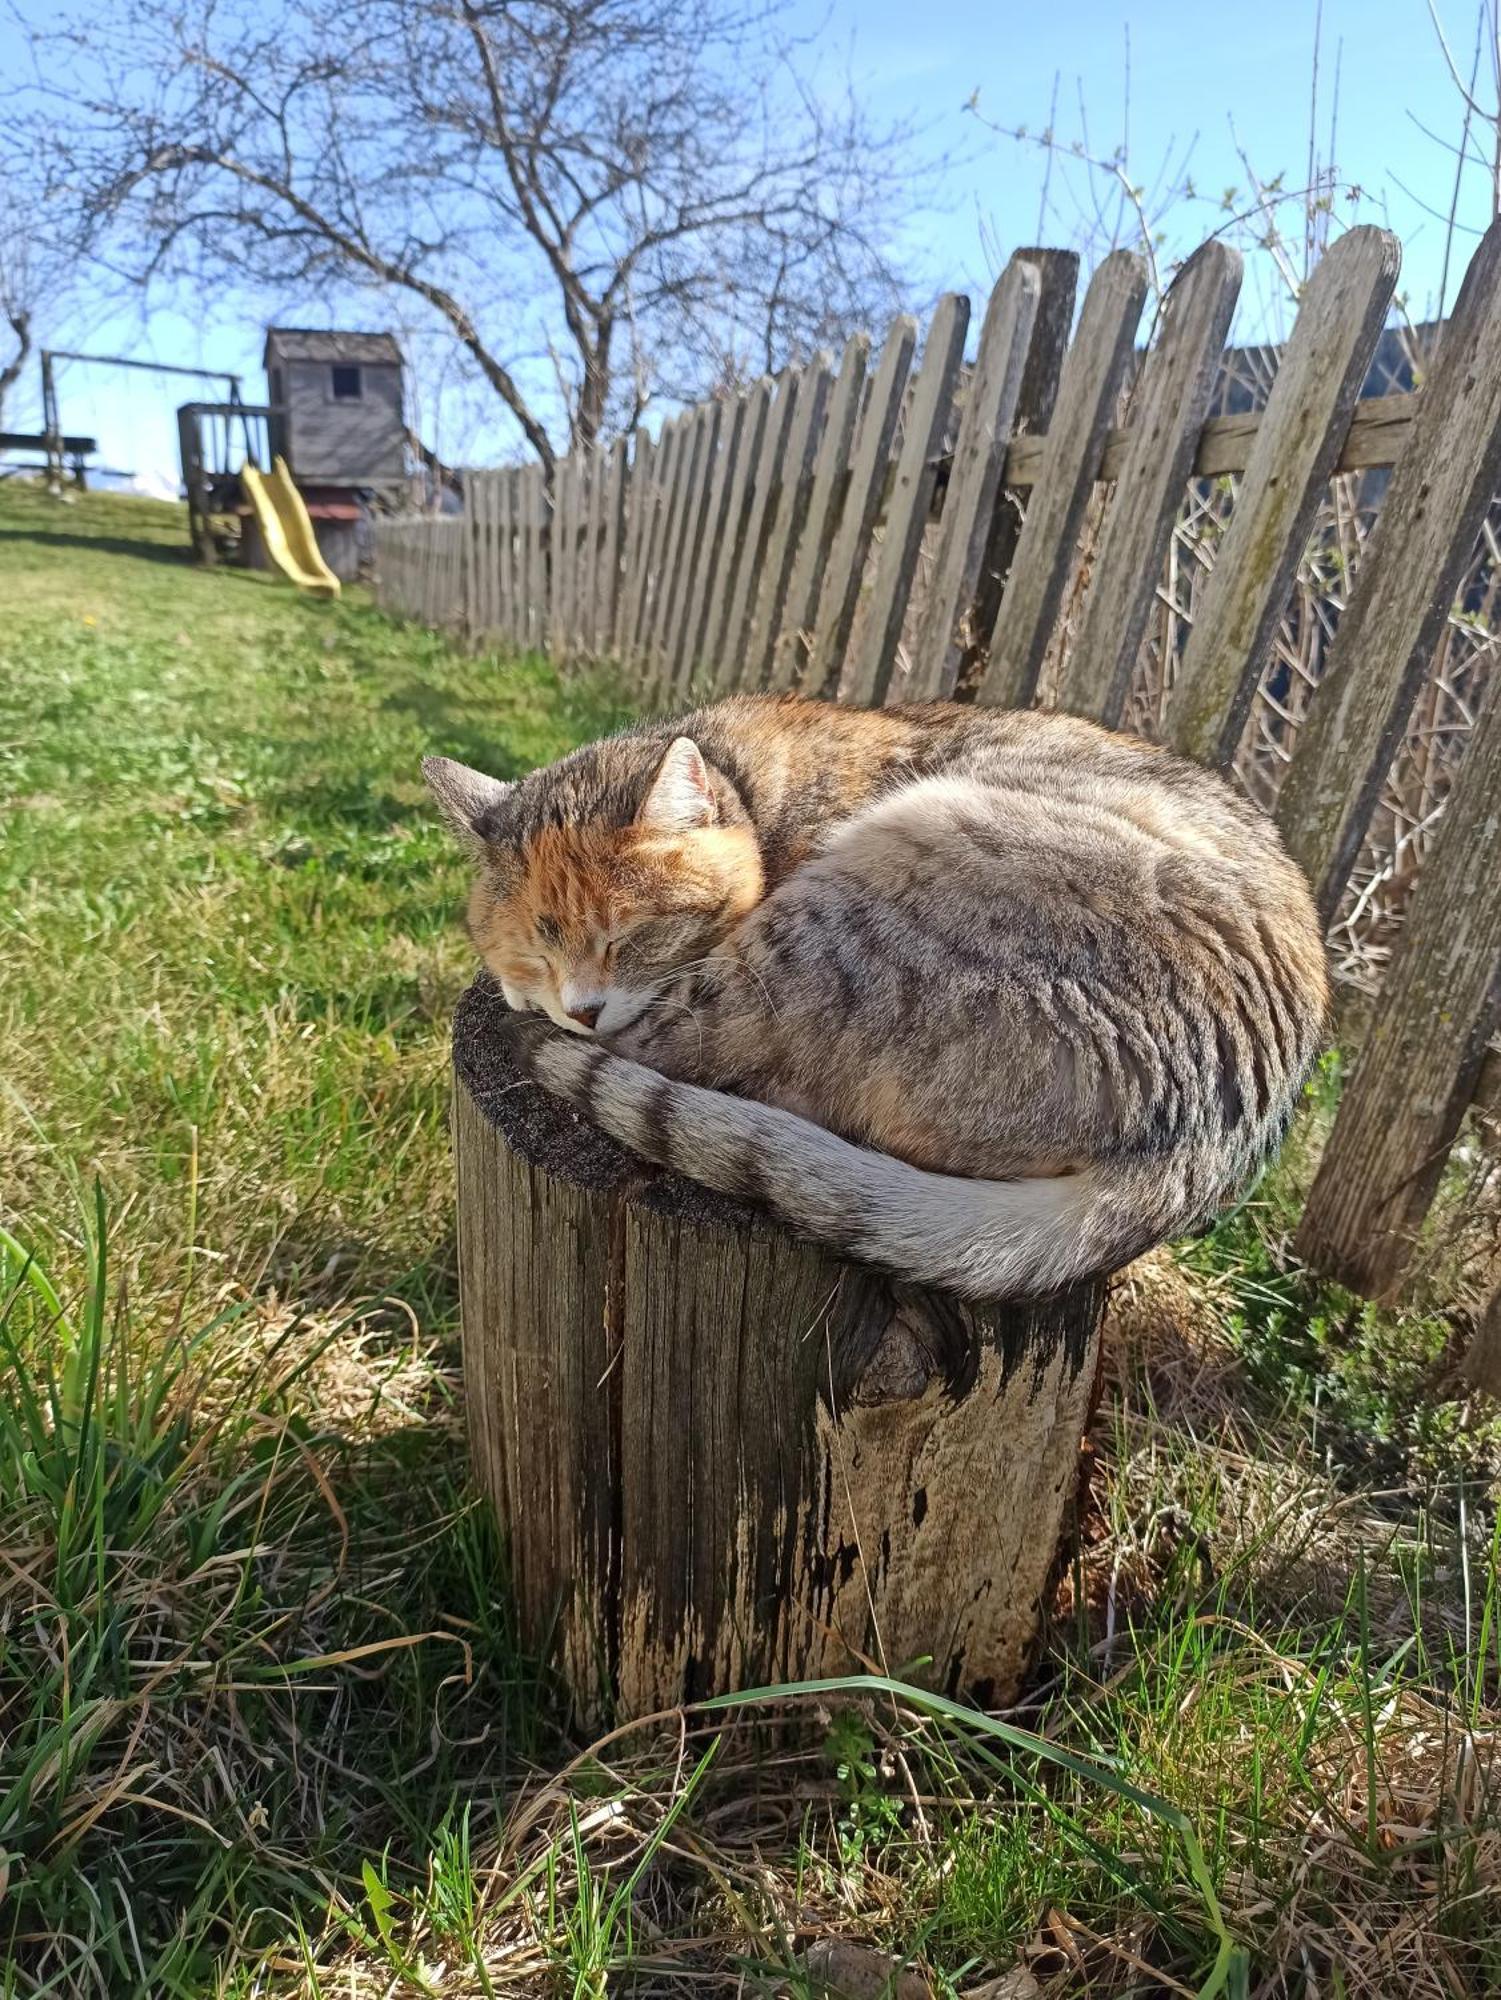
(453,731)
(324,1271)
(109,545)
(345,803)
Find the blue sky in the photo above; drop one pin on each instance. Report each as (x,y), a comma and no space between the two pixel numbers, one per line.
(1192,72)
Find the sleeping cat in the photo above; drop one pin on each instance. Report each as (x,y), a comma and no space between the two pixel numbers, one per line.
(992,1000)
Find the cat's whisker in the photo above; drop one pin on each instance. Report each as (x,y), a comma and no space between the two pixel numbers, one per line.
(733,965)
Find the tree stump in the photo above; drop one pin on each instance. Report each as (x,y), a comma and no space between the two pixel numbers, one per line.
(722,1457)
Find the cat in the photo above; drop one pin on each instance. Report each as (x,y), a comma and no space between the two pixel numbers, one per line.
(993,1000)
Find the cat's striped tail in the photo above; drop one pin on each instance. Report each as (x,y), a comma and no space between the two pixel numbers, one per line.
(980,1239)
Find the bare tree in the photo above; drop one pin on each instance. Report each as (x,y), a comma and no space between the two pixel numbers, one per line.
(603,200)
(31,277)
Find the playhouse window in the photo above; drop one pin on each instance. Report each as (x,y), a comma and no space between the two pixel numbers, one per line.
(346,383)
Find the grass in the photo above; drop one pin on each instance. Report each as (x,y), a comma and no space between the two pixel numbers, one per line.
(265,1726)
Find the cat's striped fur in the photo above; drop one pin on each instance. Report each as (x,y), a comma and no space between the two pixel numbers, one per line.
(990,999)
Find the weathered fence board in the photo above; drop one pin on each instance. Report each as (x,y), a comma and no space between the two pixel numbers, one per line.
(689,452)
(638,511)
(868,675)
(654,531)
(565,484)
(1058,274)
(478,508)
(1399,1113)
(789,512)
(717,657)
(1423,537)
(845,567)
(714,552)
(830,479)
(1069,459)
(1167,414)
(502,584)
(974,482)
(690,545)
(613,533)
(702,436)
(1313,397)
(1481,1365)
(775,439)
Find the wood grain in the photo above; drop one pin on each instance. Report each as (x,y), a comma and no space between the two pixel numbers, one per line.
(845,570)
(831,473)
(789,512)
(755,527)
(717,659)
(974,483)
(1417,553)
(1058,271)
(868,675)
(1167,414)
(1314,392)
(1414,1078)
(1068,460)
(688,666)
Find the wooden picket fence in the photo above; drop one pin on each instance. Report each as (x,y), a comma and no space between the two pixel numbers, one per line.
(876,532)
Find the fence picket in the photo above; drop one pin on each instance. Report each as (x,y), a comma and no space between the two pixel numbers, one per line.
(1418,551)
(1089,387)
(974,482)
(532,503)
(654,531)
(1167,413)
(845,570)
(476,525)
(716,418)
(492,588)
(1313,397)
(703,442)
(689,660)
(792,641)
(1058,272)
(867,677)
(716,656)
(690,444)
(637,513)
(513,573)
(581,595)
(611,545)
(557,567)
(788,515)
(1400,1111)
(573,533)
(768,472)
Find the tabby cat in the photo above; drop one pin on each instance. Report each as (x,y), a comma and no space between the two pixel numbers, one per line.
(992,1000)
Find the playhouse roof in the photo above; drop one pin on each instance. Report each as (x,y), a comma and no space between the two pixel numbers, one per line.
(300,343)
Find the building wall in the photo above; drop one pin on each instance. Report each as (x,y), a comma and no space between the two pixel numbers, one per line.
(348,443)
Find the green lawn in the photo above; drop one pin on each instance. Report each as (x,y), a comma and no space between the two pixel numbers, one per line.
(264,1727)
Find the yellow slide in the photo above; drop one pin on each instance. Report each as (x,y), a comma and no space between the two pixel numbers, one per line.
(286,528)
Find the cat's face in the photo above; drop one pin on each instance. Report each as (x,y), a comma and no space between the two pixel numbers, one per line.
(585,922)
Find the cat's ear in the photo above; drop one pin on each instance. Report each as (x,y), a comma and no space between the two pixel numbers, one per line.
(464,797)
(680,797)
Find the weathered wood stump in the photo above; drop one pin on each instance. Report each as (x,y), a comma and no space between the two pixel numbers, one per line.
(721,1457)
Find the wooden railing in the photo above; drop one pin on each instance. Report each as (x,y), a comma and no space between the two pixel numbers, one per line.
(848,531)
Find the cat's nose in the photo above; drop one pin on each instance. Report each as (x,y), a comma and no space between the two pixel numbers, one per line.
(585,1016)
